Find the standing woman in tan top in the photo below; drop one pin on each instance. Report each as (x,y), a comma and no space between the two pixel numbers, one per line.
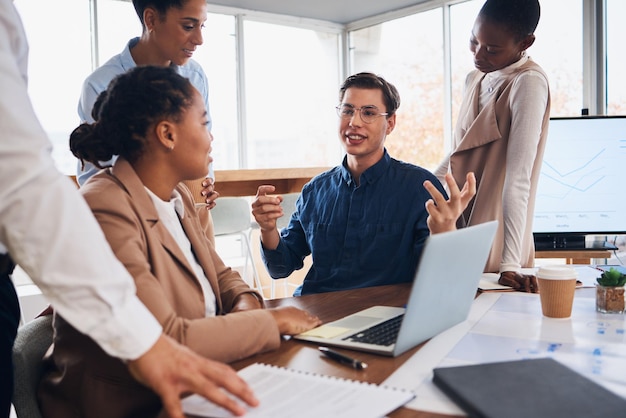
(500,134)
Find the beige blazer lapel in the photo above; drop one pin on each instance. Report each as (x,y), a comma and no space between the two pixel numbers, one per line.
(125,174)
(477,128)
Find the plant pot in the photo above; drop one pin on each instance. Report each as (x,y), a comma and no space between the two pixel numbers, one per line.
(610,299)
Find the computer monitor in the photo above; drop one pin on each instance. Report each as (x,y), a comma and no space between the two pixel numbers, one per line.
(582,185)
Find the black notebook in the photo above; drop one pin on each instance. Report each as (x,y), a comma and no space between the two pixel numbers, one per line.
(538,388)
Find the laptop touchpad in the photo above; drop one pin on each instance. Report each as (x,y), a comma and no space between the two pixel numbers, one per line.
(355,321)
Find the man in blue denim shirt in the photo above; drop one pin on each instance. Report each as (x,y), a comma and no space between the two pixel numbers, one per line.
(365,221)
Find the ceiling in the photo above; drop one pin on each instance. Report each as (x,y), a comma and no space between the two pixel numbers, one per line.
(337,11)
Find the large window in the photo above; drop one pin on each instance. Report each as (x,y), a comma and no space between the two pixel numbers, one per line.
(462,18)
(272,100)
(60,58)
(408,52)
(616,62)
(559,51)
(291,88)
(218,57)
(117,24)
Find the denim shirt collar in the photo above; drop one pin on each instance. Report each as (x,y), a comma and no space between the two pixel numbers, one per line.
(368,176)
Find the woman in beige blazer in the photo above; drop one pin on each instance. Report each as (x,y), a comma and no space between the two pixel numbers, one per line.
(156,121)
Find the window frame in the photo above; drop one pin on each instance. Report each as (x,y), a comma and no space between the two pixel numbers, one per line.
(594,52)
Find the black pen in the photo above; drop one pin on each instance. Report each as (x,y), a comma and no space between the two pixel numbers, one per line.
(354,363)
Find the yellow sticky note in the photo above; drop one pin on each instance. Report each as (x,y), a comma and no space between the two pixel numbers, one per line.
(325,331)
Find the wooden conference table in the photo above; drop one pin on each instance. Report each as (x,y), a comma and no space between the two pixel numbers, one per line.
(329,307)
(583,257)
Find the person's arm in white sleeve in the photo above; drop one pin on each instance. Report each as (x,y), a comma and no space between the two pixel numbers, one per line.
(50,232)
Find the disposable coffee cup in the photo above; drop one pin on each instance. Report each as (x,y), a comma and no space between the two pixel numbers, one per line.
(556,290)
(196,190)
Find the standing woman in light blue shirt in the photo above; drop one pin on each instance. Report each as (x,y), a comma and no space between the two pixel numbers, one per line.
(172,30)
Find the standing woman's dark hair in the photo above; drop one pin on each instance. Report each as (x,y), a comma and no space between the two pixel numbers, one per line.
(160,6)
(133,102)
(520,17)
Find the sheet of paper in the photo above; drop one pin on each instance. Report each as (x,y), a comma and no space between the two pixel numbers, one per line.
(586,276)
(325,331)
(290,393)
(489,281)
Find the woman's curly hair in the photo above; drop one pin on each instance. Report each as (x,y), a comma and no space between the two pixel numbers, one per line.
(133,102)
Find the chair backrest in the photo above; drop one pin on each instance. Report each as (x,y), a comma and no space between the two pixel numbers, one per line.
(231,215)
(32,341)
(289,207)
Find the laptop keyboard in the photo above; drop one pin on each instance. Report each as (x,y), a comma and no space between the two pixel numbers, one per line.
(383,334)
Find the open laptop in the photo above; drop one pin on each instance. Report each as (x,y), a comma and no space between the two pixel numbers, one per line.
(444,287)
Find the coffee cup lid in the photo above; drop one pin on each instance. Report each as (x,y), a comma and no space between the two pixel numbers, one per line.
(557,272)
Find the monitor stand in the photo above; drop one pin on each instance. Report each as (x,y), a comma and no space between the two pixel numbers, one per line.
(566,242)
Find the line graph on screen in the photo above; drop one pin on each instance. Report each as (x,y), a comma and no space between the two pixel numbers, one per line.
(581,181)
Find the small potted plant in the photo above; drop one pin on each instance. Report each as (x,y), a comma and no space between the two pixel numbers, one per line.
(610,291)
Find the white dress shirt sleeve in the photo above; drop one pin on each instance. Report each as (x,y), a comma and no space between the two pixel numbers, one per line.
(48,228)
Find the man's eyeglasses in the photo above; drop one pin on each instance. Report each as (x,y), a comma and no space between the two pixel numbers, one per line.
(368,113)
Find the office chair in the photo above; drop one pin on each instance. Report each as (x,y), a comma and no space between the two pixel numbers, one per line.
(231,217)
(289,206)
(31,343)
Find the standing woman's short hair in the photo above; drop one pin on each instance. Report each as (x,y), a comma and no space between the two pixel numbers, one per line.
(133,102)
(521,17)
